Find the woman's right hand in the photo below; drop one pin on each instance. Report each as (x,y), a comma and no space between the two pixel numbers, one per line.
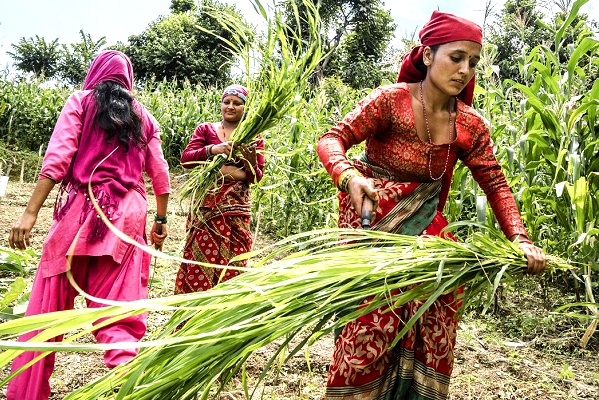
(20,232)
(358,187)
(222,148)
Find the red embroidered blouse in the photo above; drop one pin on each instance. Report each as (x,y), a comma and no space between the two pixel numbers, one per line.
(385,120)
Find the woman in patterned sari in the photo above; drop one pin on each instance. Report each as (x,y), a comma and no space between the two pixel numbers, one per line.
(414,133)
(222,229)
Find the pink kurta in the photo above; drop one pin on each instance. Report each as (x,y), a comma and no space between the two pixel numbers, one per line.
(129,217)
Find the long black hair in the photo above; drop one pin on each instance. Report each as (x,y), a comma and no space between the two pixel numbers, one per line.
(116,114)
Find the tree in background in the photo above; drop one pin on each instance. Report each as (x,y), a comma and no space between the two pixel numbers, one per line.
(76,58)
(177,47)
(361,61)
(52,60)
(515,34)
(580,27)
(173,47)
(36,56)
(520,28)
(355,37)
(182,6)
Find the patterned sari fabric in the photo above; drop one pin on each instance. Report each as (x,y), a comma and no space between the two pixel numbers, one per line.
(219,233)
(419,367)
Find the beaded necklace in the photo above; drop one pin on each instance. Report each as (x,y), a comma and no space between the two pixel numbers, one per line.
(428,132)
(222,125)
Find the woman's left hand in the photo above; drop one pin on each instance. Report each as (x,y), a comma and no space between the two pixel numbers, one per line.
(535,256)
(248,153)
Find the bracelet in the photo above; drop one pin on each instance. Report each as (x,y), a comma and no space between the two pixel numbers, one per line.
(345,177)
(209,151)
(160,218)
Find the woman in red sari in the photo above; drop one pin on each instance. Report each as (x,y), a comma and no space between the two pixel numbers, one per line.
(415,131)
(222,230)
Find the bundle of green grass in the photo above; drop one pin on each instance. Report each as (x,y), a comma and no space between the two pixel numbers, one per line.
(294,291)
(286,59)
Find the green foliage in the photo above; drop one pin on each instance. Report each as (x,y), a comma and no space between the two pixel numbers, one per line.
(177,47)
(548,142)
(28,112)
(15,261)
(516,34)
(179,108)
(11,162)
(559,149)
(293,291)
(14,300)
(296,194)
(77,57)
(182,6)
(361,53)
(13,265)
(522,27)
(36,56)
(52,60)
(354,35)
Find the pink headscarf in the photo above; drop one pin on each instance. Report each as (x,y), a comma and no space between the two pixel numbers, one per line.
(110,65)
(440,29)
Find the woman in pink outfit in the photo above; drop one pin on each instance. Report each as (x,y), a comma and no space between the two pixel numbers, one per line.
(105,138)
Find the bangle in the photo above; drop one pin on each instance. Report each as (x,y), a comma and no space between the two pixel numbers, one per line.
(209,151)
(345,177)
(160,218)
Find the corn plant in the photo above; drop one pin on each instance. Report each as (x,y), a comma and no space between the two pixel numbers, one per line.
(179,108)
(14,264)
(28,112)
(559,149)
(559,152)
(296,193)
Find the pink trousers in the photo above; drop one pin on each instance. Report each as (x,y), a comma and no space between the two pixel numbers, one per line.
(102,278)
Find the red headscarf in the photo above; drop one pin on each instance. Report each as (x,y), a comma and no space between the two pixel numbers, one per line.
(441,28)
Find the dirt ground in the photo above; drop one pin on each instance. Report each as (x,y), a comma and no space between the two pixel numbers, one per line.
(492,362)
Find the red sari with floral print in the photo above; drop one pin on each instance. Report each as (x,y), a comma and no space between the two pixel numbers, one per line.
(221,231)
(419,367)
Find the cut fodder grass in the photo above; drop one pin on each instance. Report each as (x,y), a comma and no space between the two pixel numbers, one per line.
(323,275)
(284,59)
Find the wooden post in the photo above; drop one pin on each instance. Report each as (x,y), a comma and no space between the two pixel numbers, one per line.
(22,170)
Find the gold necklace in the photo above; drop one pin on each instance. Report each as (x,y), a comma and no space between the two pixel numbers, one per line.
(428,132)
